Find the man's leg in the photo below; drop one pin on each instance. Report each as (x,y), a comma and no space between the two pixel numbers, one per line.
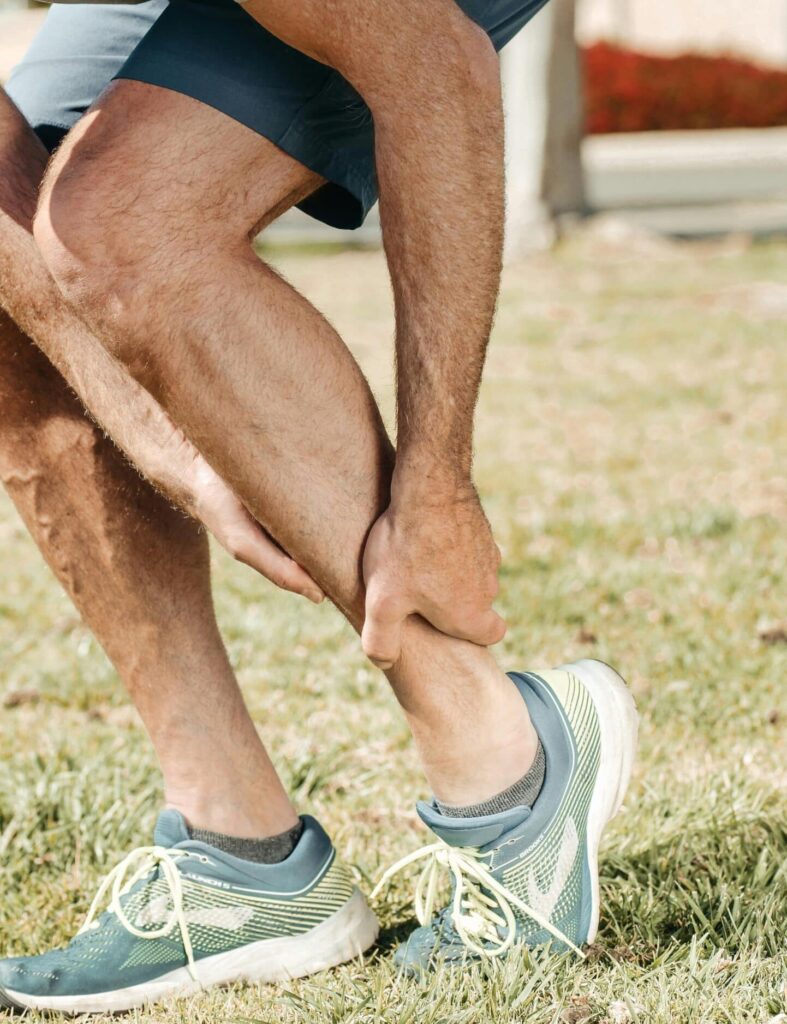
(137,570)
(258,379)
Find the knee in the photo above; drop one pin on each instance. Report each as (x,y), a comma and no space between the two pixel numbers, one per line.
(88,249)
(65,228)
(77,244)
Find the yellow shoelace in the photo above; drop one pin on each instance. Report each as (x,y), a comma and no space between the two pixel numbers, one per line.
(477,917)
(121,880)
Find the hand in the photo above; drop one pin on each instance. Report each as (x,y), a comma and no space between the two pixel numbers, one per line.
(218,508)
(436,559)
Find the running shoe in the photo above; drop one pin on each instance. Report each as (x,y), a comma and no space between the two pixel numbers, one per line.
(183,916)
(529,876)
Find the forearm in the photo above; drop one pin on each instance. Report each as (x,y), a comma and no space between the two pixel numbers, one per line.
(440,168)
(431,79)
(145,433)
(123,409)
(127,413)
(439,163)
(120,406)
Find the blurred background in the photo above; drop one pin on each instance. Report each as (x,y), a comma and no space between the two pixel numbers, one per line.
(671,116)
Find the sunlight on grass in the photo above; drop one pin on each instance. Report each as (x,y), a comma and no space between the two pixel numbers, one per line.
(631,454)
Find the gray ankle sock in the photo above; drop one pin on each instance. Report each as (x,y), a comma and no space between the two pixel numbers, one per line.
(272,850)
(522,794)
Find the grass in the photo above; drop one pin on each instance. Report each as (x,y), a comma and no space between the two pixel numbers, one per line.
(632,458)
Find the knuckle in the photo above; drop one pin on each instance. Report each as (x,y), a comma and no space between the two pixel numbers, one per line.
(283,579)
(236,543)
(238,550)
(378,647)
(383,605)
(382,659)
(375,651)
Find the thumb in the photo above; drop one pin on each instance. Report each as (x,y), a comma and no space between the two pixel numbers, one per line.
(382,633)
(490,629)
(485,629)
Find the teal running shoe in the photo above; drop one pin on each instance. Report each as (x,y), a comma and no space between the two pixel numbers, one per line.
(184,916)
(530,875)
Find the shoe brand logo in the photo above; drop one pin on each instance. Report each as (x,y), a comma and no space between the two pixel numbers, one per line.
(545,900)
(230,919)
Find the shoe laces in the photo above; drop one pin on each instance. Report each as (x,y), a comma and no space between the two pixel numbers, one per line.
(122,878)
(482,911)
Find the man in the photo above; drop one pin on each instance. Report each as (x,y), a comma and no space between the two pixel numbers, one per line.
(220,119)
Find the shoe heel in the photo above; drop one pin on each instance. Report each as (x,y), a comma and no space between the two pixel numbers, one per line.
(618,721)
(619,725)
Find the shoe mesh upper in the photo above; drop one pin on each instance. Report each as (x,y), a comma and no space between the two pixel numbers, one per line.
(551,873)
(108,956)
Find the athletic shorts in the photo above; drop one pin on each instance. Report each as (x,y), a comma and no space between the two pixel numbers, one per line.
(213,51)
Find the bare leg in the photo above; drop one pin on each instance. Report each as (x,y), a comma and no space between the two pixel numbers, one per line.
(258,379)
(137,570)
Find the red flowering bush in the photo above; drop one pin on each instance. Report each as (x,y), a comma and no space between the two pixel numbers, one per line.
(626,91)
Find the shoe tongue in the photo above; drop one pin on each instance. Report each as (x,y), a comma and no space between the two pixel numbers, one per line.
(171,829)
(471,831)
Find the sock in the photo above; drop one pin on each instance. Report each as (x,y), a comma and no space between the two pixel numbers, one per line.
(272,850)
(523,793)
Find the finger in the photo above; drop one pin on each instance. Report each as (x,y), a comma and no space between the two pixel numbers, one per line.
(256,549)
(293,577)
(382,634)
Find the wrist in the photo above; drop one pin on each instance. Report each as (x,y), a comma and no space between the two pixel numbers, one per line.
(430,479)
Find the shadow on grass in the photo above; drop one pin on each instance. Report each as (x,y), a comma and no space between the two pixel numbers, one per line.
(394,934)
(715,873)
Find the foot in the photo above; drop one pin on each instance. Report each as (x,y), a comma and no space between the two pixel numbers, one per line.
(526,875)
(184,916)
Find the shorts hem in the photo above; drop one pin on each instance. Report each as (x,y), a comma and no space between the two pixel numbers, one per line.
(346,198)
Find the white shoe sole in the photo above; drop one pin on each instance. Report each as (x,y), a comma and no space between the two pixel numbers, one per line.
(344,936)
(619,724)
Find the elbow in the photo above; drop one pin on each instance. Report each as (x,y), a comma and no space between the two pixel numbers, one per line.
(443,64)
(473,59)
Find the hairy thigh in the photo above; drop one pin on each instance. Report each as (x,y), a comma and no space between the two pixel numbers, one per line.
(157,167)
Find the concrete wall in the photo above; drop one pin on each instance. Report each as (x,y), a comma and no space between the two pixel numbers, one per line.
(756,29)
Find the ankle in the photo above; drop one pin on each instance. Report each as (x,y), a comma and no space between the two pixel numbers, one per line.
(493,761)
(483,774)
(228,812)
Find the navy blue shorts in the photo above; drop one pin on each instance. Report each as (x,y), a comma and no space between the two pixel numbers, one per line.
(213,51)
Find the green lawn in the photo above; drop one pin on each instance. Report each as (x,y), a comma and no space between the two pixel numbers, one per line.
(633,459)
